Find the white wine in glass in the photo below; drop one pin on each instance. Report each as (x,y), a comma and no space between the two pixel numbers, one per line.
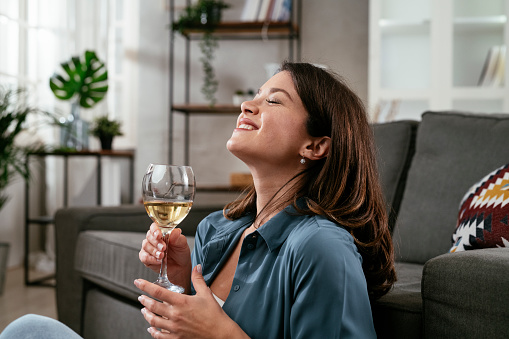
(168,194)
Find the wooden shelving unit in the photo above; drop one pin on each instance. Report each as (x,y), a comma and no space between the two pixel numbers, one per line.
(241,31)
(44,220)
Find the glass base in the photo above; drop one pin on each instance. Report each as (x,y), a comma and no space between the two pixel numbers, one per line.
(168,285)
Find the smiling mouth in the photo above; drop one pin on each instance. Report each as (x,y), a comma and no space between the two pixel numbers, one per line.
(246,126)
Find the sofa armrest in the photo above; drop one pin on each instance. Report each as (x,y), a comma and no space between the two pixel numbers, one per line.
(69,223)
(465,294)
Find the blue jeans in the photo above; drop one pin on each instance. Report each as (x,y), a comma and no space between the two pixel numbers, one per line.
(37,326)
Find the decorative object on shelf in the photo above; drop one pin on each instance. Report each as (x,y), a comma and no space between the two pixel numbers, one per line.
(106,129)
(241,180)
(85,83)
(13,115)
(266,10)
(493,71)
(204,16)
(238,97)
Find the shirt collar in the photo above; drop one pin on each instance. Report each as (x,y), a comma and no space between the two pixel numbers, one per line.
(276,230)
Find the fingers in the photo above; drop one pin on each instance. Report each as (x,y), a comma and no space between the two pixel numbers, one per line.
(157,334)
(158,292)
(152,248)
(198,282)
(154,306)
(156,322)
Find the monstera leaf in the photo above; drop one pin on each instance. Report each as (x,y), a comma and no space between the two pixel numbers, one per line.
(85,79)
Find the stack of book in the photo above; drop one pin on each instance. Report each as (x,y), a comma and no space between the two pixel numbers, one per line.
(493,71)
(266,10)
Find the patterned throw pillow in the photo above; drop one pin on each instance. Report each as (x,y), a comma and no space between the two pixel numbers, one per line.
(483,219)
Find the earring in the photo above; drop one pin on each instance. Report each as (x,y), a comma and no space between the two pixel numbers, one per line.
(303,160)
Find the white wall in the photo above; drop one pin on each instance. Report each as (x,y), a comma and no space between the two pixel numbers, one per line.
(334,32)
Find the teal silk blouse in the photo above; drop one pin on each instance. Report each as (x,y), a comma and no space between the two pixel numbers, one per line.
(298,276)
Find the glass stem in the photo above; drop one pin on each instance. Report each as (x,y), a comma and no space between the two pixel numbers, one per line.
(163,273)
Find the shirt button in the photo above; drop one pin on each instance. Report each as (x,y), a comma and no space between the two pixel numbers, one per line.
(250,246)
(236,288)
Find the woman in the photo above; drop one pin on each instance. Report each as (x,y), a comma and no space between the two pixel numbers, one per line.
(307,248)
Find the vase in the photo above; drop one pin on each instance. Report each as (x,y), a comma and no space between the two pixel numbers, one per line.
(74,130)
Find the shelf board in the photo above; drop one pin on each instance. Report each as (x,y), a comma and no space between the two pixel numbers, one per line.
(42,220)
(207,109)
(109,153)
(234,29)
(479,93)
(404,26)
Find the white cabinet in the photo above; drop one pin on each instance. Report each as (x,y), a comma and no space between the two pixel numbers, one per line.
(429,55)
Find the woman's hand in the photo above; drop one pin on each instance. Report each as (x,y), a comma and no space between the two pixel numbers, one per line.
(184,316)
(178,255)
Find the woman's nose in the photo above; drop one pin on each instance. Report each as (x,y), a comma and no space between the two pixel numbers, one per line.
(249,107)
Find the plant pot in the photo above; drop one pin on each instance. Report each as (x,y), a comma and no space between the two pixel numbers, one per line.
(210,16)
(106,142)
(4,254)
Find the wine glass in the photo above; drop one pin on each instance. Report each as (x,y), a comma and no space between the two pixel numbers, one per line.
(168,194)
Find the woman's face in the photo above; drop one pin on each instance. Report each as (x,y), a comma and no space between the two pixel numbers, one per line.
(271,130)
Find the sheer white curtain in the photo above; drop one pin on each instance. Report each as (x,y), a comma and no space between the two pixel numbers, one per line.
(35,37)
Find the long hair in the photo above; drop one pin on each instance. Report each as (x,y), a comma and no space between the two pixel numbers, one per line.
(344,186)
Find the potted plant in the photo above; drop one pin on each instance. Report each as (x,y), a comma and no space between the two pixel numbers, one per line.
(84,82)
(106,129)
(204,15)
(13,116)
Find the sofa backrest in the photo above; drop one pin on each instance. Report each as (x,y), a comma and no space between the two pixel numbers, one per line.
(453,151)
(395,144)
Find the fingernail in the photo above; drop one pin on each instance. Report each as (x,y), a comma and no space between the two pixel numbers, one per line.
(198,268)
(140,299)
(158,254)
(143,311)
(160,247)
(137,283)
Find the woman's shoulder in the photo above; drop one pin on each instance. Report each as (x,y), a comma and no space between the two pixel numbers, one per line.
(216,222)
(318,234)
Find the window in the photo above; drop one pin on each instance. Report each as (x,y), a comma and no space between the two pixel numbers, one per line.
(37,35)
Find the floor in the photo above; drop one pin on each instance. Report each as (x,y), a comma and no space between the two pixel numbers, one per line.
(18,299)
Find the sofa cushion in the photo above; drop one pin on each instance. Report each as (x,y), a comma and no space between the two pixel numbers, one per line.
(398,314)
(110,260)
(465,294)
(453,150)
(395,143)
(483,219)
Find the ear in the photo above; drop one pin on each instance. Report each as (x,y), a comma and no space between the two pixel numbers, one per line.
(317,149)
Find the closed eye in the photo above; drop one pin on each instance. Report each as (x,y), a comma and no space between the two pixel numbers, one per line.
(273,101)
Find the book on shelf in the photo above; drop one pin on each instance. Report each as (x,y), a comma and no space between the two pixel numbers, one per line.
(250,10)
(493,71)
(266,10)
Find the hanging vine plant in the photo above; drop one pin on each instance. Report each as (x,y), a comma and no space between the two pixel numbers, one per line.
(204,16)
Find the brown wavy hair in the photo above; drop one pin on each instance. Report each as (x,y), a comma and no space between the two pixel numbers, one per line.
(344,186)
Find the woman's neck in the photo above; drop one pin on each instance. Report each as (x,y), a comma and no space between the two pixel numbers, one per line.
(273,192)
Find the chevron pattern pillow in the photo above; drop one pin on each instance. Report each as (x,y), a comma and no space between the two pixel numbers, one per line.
(483,219)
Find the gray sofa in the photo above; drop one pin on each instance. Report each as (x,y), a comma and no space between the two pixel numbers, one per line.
(426,167)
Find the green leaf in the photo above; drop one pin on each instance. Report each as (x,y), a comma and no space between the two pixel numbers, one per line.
(84,80)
